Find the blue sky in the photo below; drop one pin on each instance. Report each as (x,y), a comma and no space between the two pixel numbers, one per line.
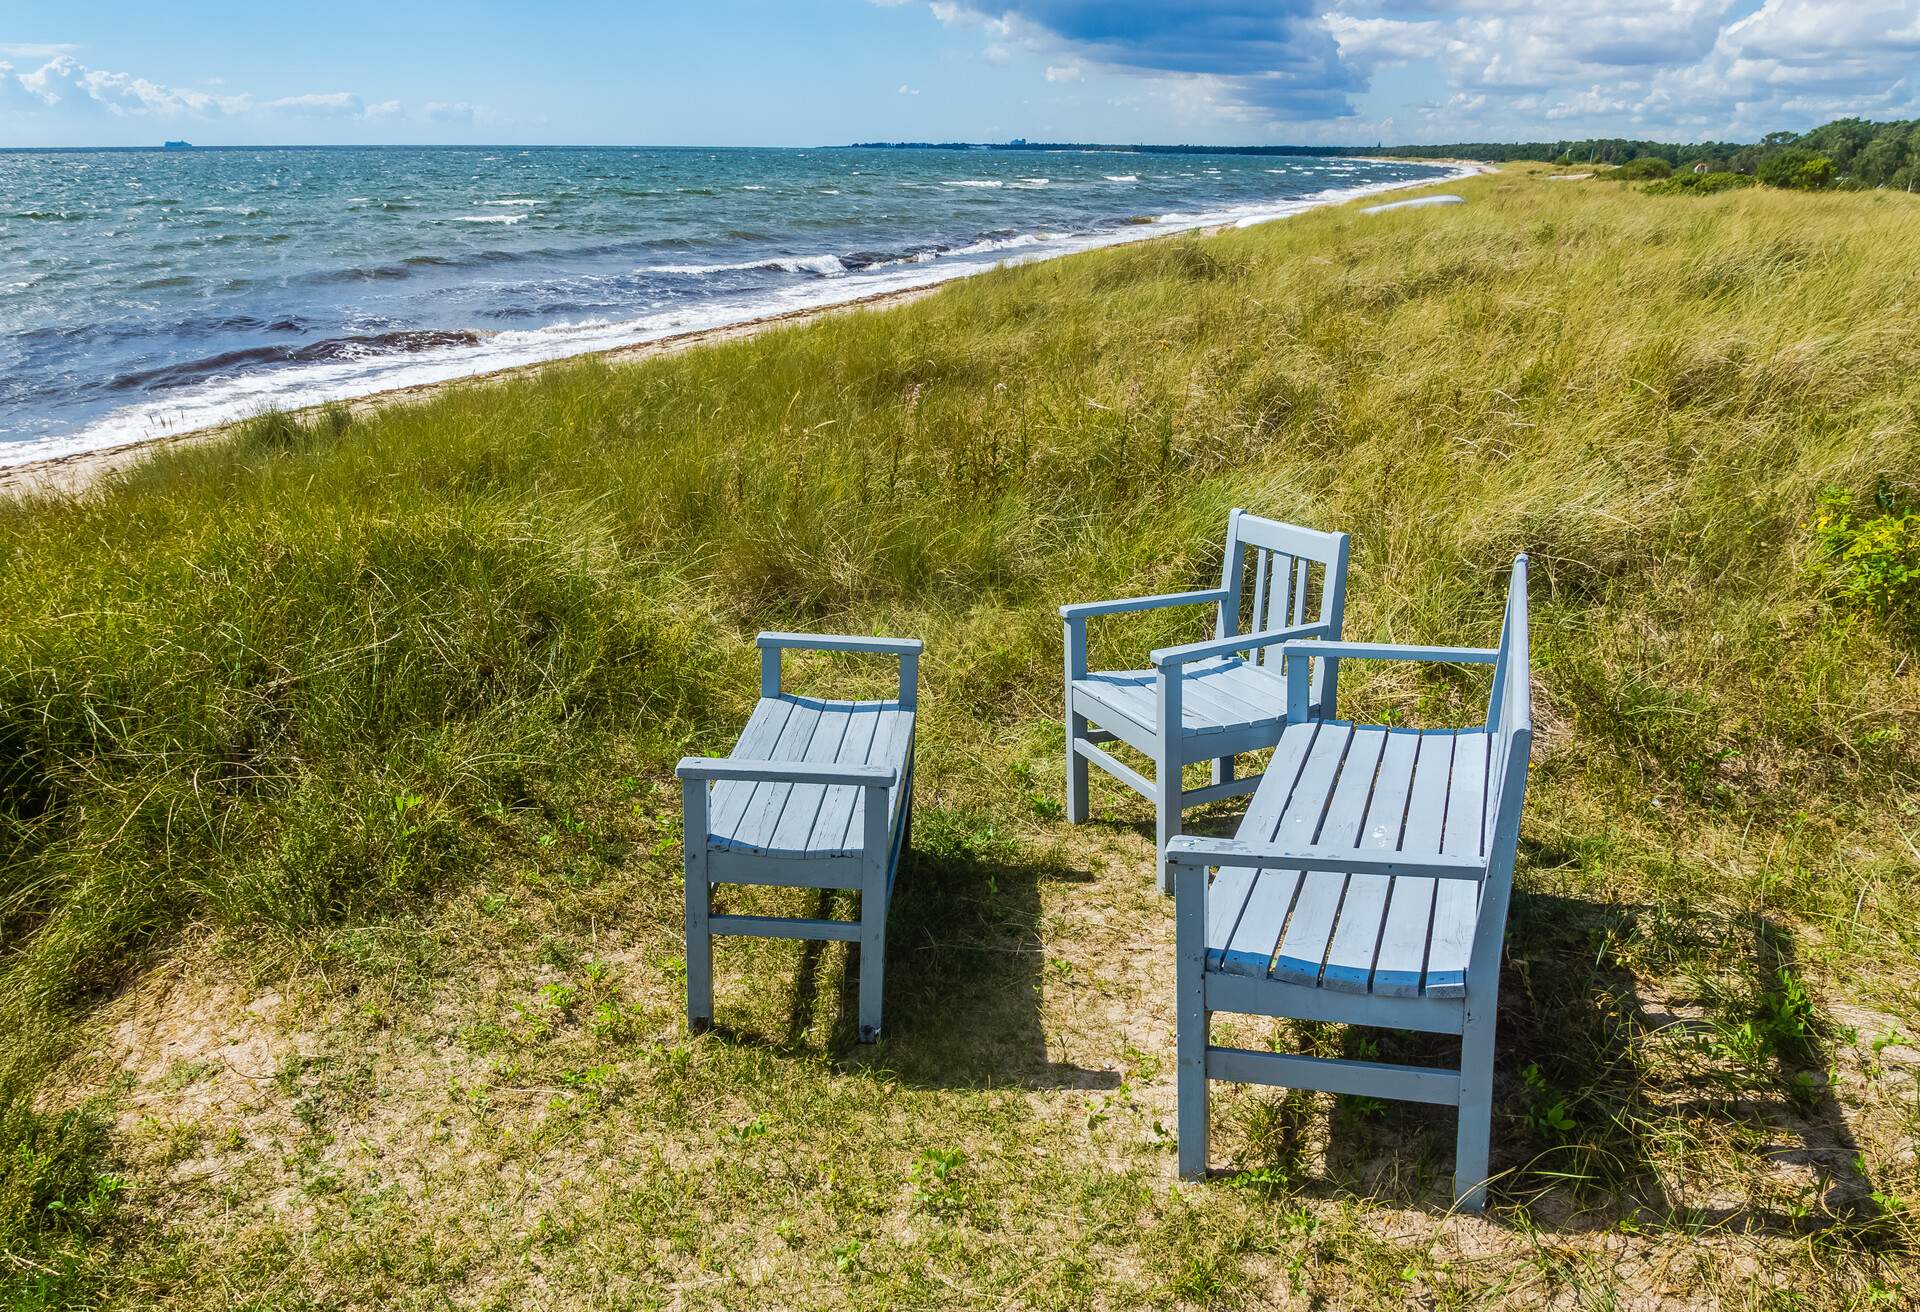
(802,72)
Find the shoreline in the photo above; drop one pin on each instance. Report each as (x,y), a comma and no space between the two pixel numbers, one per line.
(73,473)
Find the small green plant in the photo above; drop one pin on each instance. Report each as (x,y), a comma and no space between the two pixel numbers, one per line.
(1869,560)
(1547,1112)
(935,1186)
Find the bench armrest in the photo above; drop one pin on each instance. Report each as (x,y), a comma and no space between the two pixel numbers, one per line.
(906,649)
(1194,651)
(1189,850)
(840,642)
(1087,609)
(1294,656)
(785,772)
(1389,651)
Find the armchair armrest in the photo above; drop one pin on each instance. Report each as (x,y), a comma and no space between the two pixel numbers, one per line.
(1087,609)
(1201,852)
(785,772)
(1227,646)
(906,649)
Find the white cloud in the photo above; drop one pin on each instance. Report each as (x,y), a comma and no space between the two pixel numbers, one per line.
(62,89)
(329,104)
(906,90)
(1515,69)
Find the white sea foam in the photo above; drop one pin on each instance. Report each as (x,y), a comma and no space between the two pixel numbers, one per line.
(827,265)
(1031,184)
(974,182)
(515,202)
(490,218)
(225,398)
(752,187)
(1123,177)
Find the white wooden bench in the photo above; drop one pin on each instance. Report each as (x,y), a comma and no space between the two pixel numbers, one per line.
(1367,885)
(816,794)
(1225,695)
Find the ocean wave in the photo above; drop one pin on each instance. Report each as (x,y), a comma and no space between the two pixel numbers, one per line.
(1030,184)
(1123,177)
(514,202)
(974,182)
(407,342)
(490,218)
(826,266)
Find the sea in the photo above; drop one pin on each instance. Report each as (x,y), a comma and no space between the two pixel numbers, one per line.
(151,292)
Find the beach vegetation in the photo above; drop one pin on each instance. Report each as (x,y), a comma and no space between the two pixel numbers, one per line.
(1797,168)
(341,957)
(1646,168)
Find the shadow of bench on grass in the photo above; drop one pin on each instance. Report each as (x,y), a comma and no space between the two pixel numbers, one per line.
(1591,1080)
(965,964)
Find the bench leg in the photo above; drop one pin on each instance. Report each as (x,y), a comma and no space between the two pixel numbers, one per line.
(873,914)
(1192,1021)
(699,906)
(1077,811)
(1476,1110)
(1166,775)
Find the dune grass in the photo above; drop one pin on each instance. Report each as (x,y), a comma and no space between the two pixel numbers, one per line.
(339,898)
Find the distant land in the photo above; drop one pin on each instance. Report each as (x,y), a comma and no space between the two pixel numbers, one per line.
(1863,153)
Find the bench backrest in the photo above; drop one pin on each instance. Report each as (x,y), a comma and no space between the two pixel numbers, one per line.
(1510,721)
(1297,576)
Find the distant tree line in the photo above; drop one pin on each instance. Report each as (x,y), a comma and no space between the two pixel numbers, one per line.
(1848,152)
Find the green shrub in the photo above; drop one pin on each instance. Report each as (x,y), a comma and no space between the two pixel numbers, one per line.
(1797,170)
(1699,184)
(1642,169)
(1871,562)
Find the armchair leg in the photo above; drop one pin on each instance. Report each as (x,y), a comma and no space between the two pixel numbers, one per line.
(1223,770)
(1077,811)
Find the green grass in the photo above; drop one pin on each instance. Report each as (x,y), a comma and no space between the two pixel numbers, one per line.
(339,955)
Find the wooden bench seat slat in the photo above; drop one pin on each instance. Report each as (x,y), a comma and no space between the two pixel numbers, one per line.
(1356,941)
(1316,908)
(895,738)
(1262,924)
(1402,960)
(758,740)
(845,737)
(1456,902)
(808,723)
(1246,949)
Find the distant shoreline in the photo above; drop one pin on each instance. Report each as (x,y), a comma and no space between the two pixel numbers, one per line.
(73,473)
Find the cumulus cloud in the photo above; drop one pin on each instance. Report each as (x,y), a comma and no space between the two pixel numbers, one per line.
(1273,57)
(61,88)
(1507,67)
